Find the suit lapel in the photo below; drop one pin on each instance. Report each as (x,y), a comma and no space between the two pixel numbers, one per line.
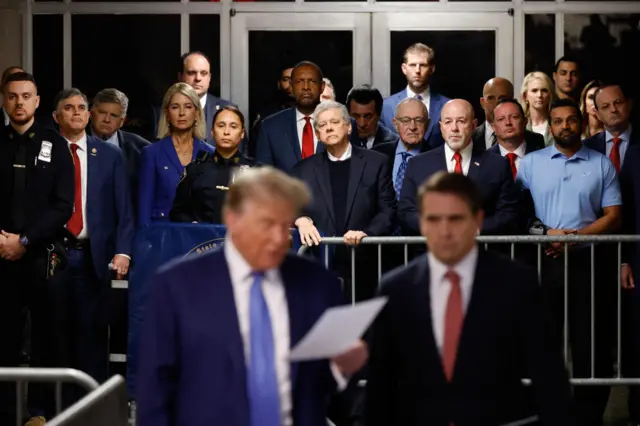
(171,154)
(296,307)
(93,165)
(293,138)
(357,168)
(324,183)
(434,102)
(474,166)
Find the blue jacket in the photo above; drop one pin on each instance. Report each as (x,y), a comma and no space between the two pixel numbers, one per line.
(160,173)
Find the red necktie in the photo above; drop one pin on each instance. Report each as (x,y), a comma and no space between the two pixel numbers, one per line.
(614,155)
(75,223)
(512,160)
(307,139)
(452,324)
(458,167)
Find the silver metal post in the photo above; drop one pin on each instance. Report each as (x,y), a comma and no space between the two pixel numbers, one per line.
(406,254)
(619,319)
(379,264)
(326,256)
(19,393)
(513,251)
(58,397)
(593,311)
(566,304)
(353,275)
(540,264)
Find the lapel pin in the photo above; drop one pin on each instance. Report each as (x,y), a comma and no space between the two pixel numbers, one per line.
(476,163)
(94,152)
(166,167)
(217,107)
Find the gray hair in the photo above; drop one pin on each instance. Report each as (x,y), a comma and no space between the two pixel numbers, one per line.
(410,100)
(328,82)
(326,106)
(66,94)
(112,96)
(266,183)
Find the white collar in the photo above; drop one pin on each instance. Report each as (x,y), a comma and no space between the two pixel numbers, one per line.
(425,93)
(345,156)
(467,263)
(300,116)
(82,143)
(203,101)
(519,151)
(625,136)
(466,152)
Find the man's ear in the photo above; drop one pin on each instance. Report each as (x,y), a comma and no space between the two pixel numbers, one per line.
(55,117)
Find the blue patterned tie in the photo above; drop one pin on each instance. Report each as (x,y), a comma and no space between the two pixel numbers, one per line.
(262,382)
(397,184)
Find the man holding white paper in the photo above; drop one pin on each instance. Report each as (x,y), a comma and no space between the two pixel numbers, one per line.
(462,327)
(219,327)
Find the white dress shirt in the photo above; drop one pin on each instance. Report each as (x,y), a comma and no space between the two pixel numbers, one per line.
(624,136)
(113,140)
(426,98)
(466,158)
(488,134)
(519,152)
(345,156)
(5,116)
(300,122)
(203,101)
(370,140)
(440,288)
(82,156)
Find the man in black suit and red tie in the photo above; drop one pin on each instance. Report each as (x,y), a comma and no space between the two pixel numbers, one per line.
(462,327)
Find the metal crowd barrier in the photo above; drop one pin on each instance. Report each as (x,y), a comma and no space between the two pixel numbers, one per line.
(105,406)
(44,375)
(592,240)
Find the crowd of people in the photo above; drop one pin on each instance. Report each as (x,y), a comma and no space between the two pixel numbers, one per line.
(555,158)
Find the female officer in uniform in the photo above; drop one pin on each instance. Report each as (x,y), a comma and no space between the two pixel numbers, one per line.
(205,182)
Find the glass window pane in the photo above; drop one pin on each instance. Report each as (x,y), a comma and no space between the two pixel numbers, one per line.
(127,63)
(606,45)
(465,60)
(539,43)
(47,62)
(272,51)
(204,36)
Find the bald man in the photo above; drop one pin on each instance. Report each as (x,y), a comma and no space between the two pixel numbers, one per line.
(490,172)
(494,91)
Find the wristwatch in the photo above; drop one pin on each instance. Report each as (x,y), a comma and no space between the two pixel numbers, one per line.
(24,240)
(538,229)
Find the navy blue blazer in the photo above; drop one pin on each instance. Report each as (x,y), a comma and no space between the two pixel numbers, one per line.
(433,136)
(109,210)
(278,144)
(160,173)
(506,335)
(371,203)
(598,142)
(490,172)
(194,370)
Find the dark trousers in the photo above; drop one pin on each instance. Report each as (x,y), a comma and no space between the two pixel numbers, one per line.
(22,284)
(591,401)
(631,345)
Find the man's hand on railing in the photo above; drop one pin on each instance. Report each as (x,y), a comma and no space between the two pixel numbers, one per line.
(626,276)
(353,238)
(557,249)
(309,235)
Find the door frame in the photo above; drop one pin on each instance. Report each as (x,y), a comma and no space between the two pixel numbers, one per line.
(242,23)
(384,23)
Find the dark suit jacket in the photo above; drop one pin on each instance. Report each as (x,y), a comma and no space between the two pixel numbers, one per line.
(490,172)
(278,143)
(630,189)
(433,136)
(110,219)
(533,139)
(49,186)
(598,143)
(382,136)
(194,370)
(160,173)
(371,204)
(505,337)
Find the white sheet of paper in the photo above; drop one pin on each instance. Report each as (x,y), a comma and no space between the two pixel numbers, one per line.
(337,330)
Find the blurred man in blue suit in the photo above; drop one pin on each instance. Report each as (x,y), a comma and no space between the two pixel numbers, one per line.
(418,65)
(287,137)
(219,327)
(99,235)
(491,173)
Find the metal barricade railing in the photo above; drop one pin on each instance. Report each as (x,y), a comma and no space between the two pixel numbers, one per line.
(568,241)
(44,375)
(104,406)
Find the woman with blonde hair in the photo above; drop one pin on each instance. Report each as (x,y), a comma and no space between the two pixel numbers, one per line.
(536,95)
(592,123)
(181,131)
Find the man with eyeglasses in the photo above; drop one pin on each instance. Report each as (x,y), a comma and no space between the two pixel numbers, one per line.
(491,173)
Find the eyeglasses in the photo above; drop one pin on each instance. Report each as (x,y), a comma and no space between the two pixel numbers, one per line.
(407,120)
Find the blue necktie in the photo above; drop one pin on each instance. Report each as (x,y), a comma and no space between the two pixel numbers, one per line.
(264,401)
(397,183)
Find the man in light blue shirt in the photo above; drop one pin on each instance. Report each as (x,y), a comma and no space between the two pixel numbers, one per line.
(575,190)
